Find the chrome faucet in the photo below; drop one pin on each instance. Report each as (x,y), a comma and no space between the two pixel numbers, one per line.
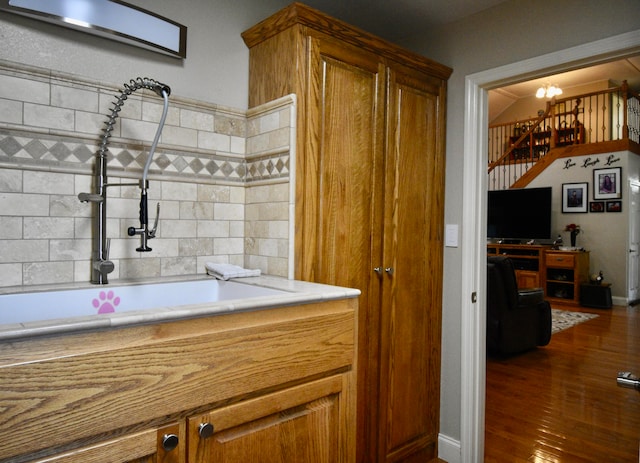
(101,266)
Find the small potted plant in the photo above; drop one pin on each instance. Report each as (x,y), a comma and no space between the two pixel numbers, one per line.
(573,229)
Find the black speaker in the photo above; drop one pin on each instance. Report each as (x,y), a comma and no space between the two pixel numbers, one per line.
(596,296)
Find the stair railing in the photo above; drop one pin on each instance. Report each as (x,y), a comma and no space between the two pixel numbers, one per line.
(604,116)
(520,148)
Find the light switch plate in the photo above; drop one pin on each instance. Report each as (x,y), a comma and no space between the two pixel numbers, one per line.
(451,235)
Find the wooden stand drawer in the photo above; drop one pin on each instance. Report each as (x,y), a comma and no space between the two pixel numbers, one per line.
(560,260)
(565,271)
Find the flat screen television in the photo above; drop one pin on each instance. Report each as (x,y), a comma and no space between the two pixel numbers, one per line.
(521,214)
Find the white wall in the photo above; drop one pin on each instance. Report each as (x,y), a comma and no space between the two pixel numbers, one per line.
(604,235)
(216,69)
(508,33)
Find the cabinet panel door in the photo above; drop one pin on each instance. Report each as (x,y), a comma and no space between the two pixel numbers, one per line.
(341,165)
(141,447)
(411,315)
(343,184)
(527,279)
(296,425)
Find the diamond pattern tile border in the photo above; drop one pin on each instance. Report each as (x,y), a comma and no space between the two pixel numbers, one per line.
(51,152)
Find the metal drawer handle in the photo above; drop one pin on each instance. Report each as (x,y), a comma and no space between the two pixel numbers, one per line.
(626,379)
(205,430)
(170,442)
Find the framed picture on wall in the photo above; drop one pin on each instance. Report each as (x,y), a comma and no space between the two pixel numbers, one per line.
(614,206)
(606,183)
(574,197)
(596,206)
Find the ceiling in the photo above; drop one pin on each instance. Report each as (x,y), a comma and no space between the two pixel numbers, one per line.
(625,69)
(399,19)
(616,71)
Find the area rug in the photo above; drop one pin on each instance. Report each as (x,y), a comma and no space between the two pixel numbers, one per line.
(563,319)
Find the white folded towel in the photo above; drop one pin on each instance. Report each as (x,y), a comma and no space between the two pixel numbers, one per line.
(227,271)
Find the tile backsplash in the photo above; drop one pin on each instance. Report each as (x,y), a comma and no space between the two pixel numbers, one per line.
(220,175)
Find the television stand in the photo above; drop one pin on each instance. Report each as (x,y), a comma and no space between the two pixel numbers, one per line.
(528,260)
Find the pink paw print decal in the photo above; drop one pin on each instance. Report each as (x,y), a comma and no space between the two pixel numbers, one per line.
(105,302)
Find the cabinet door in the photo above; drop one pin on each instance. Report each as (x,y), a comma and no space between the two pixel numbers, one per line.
(527,279)
(301,424)
(164,445)
(412,289)
(341,176)
(341,166)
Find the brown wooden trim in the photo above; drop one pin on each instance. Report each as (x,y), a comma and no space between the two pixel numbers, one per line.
(573,151)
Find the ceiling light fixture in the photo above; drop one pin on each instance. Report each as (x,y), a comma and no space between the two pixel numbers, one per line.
(548,91)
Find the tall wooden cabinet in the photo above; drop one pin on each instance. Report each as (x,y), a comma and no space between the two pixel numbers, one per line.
(369,206)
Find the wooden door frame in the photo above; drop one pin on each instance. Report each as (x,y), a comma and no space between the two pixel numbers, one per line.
(473,335)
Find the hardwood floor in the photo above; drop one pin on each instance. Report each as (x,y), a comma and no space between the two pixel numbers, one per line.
(561,403)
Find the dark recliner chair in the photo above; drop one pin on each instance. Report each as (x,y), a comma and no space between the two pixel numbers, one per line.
(517,320)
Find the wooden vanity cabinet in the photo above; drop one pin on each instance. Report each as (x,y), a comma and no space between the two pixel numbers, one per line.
(369,206)
(276,385)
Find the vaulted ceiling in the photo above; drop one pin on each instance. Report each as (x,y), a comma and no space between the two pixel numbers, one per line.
(616,71)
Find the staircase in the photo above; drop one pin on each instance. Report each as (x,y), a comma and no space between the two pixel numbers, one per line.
(593,123)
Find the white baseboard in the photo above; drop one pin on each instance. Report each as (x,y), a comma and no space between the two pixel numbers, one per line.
(449,449)
(617,300)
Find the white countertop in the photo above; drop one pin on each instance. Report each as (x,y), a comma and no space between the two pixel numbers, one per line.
(297,292)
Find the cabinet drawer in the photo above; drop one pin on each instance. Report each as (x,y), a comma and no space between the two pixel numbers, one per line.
(560,260)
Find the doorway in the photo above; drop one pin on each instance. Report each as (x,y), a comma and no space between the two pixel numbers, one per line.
(473,334)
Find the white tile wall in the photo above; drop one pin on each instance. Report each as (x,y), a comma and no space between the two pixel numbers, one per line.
(267,227)
(27,90)
(221,177)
